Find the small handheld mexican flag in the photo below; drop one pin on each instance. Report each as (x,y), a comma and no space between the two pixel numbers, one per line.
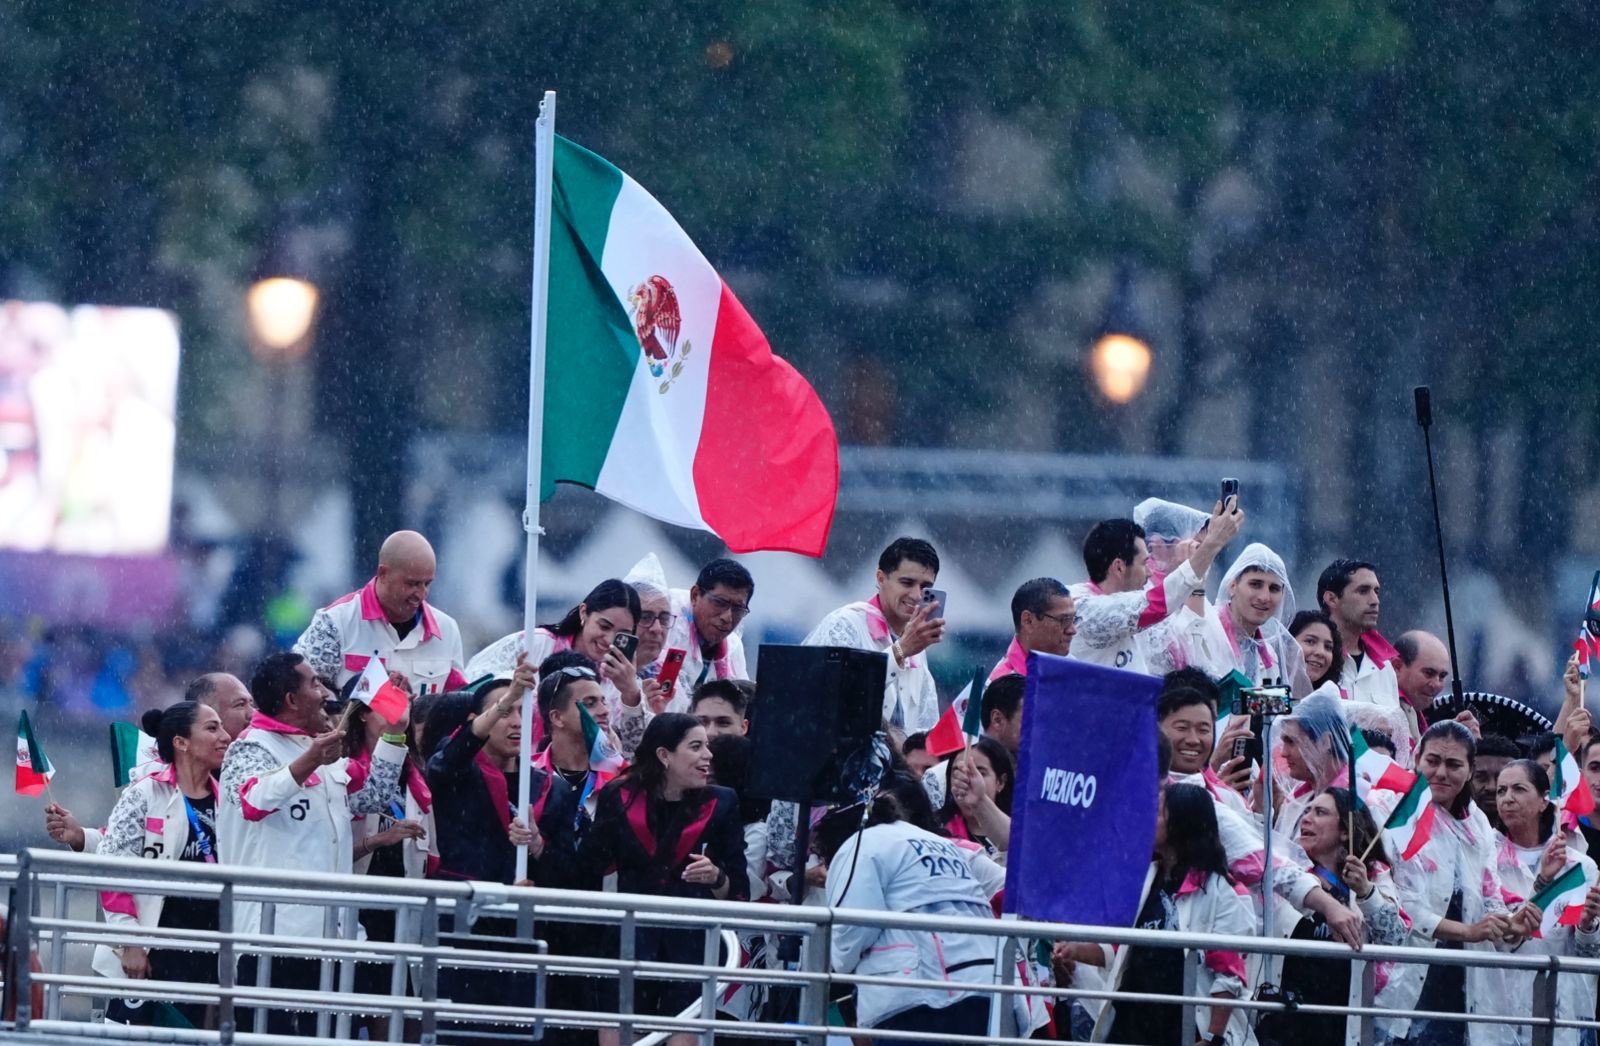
(602,757)
(963,719)
(1588,649)
(1376,770)
(1561,903)
(1412,820)
(33,769)
(375,691)
(1568,790)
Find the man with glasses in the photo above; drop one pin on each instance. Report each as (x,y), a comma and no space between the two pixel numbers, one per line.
(1044,618)
(703,626)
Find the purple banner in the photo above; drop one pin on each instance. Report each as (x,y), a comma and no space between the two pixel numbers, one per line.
(1084,813)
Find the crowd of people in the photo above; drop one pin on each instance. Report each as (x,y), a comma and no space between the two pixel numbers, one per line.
(643,702)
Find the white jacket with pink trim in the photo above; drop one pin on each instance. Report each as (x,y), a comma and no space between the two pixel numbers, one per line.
(148,821)
(266,820)
(344,635)
(1110,623)
(910,697)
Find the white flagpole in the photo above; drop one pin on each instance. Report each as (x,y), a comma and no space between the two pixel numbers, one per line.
(543,165)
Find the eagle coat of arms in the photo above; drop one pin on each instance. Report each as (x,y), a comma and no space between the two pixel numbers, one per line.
(657,323)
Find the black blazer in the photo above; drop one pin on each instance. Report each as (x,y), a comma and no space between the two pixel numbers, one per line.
(472,811)
(649,841)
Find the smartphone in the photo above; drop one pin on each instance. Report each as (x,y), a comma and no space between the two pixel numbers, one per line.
(1230,489)
(671,665)
(627,644)
(1241,747)
(936,599)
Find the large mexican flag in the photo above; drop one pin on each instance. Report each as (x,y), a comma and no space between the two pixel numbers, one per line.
(660,391)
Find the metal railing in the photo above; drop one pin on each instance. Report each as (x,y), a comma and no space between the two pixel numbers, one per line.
(45,885)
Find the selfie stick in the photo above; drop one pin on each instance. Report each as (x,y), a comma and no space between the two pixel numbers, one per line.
(1425,419)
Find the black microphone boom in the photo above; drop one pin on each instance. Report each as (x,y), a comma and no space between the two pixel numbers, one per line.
(1424,401)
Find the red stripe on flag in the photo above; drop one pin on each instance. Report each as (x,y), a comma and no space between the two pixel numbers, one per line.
(946,737)
(1419,835)
(390,702)
(766,472)
(1572,915)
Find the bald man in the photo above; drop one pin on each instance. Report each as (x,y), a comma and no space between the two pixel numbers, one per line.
(389,618)
(227,695)
(1423,671)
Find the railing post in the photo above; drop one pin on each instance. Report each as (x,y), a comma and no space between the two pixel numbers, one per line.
(708,990)
(1002,1015)
(397,974)
(331,930)
(430,971)
(816,958)
(627,952)
(1363,990)
(1544,1005)
(1191,985)
(269,925)
(349,926)
(58,957)
(20,977)
(226,965)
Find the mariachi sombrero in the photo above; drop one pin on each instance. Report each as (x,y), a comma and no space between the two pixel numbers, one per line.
(1497,714)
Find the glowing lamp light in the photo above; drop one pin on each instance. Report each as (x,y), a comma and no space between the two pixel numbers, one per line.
(1121,366)
(281,311)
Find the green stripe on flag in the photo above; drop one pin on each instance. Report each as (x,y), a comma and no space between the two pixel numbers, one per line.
(1406,811)
(1558,784)
(36,756)
(591,351)
(1358,744)
(124,753)
(1571,879)
(972,722)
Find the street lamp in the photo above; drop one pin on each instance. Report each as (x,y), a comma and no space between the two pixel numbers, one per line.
(281,310)
(1121,366)
(1120,359)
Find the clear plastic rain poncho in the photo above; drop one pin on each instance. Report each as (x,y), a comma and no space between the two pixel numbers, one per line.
(647,577)
(1216,646)
(1166,525)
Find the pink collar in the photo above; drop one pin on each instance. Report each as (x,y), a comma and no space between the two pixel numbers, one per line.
(1192,882)
(372,610)
(878,624)
(1017,658)
(1376,647)
(262,721)
(168,774)
(1227,629)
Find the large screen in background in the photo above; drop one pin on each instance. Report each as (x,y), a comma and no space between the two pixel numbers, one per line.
(87,408)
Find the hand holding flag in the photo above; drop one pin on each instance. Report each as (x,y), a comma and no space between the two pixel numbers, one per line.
(377,691)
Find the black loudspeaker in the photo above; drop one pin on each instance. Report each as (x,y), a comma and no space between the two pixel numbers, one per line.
(815,713)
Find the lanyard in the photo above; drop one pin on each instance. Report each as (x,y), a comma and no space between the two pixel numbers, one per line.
(202,840)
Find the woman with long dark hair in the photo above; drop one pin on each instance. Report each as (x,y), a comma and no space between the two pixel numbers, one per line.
(1321,646)
(1531,857)
(168,816)
(977,796)
(1355,870)
(1191,892)
(1450,889)
(669,832)
(590,629)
